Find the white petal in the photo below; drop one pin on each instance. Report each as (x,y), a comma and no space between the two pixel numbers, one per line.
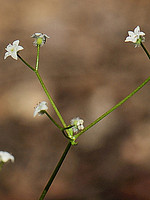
(131,33)
(19,48)
(40,107)
(9,46)
(35,35)
(35,113)
(14,55)
(15,43)
(128,39)
(134,39)
(5,156)
(142,33)
(46,36)
(137,29)
(6,55)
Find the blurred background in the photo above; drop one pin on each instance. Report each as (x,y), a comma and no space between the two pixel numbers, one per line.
(87,68)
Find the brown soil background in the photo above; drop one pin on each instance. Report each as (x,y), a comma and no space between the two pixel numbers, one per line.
(88,68)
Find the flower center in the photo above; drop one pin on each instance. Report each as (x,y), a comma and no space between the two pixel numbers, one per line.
(39,41)
(12,50)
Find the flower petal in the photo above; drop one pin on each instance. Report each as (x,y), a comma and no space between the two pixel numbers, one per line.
(16,42)
(5,156)
(19,48)
(137,29)
(131,33)
(14,56)
(6,55)
(42,106)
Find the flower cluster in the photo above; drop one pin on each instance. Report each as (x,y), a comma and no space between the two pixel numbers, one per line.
(40,39)
(77,124)
(40,108)
(136,37)
(5,157)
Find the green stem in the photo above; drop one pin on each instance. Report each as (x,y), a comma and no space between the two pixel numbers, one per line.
(145,50)
(1,165)
(43,85)
(49,97)
(25,62)
(60,128)
(55,172)
(37,59)
(112,109)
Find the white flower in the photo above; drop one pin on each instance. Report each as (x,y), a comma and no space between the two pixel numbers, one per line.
(5,157)
(12,50)
(42,106)
(40,38)
(136,37)
(77,124)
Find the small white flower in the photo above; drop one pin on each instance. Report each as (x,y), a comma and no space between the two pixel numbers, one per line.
(42,106)
(5,157)
(13,49)
(136,37)
(40,38)
(77,124)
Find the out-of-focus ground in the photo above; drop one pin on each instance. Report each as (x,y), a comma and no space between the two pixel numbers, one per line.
(87,68)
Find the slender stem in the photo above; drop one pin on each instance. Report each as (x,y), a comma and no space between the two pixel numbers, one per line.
(60,128)
(1,165)
(49,97)
(37,59)
(113,108)
(47,93)
(43,85)
(145,50)
(55,172)
(26,63)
